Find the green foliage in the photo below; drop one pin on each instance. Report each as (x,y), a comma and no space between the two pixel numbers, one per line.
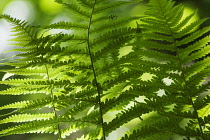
(81,78)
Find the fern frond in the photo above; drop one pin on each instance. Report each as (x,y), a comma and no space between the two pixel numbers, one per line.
(27,71)
(43,126)
(76,9)
(66,25)
(203,107)
(162,47)
(19,91)
(153,75)
(113,5)
(86,3)
(126,116)
(36,104)
(27,117)
(113,24)
(24,32)
(14,105)
(112,36)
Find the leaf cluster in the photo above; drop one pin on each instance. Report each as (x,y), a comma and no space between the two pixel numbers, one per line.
(81,78)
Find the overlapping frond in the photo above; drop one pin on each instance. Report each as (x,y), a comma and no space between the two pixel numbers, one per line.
(172,49)
(66,70)
(24,32)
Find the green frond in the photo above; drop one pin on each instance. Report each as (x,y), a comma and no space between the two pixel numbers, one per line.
(195,56)
(157,27)
(76,125)
(163,39)
(191,48)
(113,35)
(32,127)
(114,104)
(86,3)
(196,68)
(19,81)
(28,49)
(100,19)
(36,104)
(71,129)
(160,37)
(154,7)
(203,107)
(154,75)
(159,56)
(15,105)
(122,78)
(154,127)
(192,37)
(76,9)
(190,27)
(175,15)
(99,1)
(125,116)
(27,117)
(27,71)
(113,24)
(182,23)
(110,6)
(56,38)
(110,49)
(66,25)
(207,119)
(24,32)
(83,106)
(19,91)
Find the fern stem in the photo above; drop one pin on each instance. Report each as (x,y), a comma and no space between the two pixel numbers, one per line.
(98,87)
(54,110)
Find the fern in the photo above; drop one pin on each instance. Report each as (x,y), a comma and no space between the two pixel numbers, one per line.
(79,79)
